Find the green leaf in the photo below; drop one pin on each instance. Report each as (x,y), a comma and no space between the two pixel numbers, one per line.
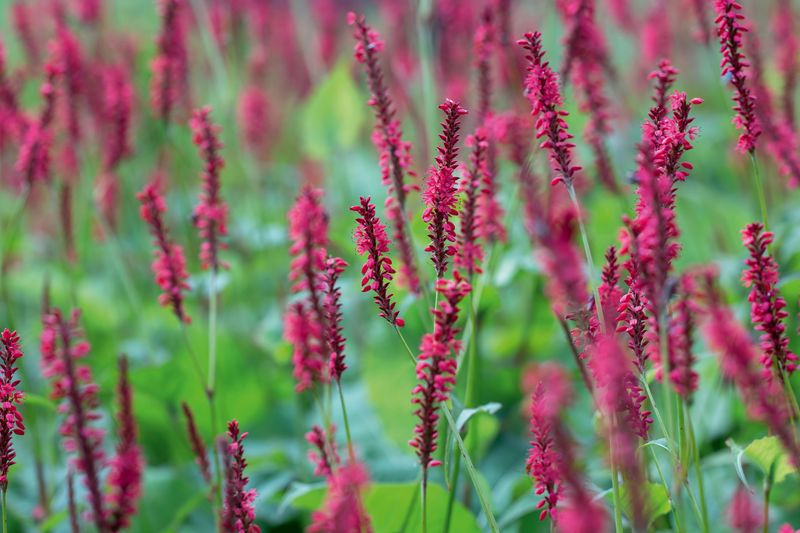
(34,400)
(389,504)
(768,453)
(656,501)
(334,114)
(463,417)
(738,455)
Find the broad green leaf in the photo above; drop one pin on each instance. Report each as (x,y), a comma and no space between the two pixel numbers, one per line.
(333,116)
(655,499)
(489,408)
(765,453)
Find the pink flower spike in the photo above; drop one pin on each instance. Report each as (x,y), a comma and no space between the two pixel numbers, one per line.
(371,240)
(326,457)
(170,82)
(308,231)
(469,252)
(744,513)
(127,465)
(343,509)
(440,191)
(169,265)
(309,358)
(542,90)
(61,349)
(436,369)
(767,306)
(33,161)
(238,513)
(211,214)
(332,305)
(11,422)
(731,26)
(196,443)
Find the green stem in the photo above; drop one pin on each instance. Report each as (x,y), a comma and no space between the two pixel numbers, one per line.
(451,497)
(698,471)
(423,487)
(615,494)
(588,252)
(759,184)
(767,490)
(473,473)
(212,330)
(666,486)
(350,451)
(5,511)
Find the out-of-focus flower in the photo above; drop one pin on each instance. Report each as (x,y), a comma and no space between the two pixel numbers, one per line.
(196,443)
(211,214)
(469,252)
(343,509)
(170,66)
(309,359)
(308,231)
(326,457)
(33,162)
(744,513)
(331,303)
(169,265)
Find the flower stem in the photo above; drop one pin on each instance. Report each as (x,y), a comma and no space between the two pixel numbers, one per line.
(5,511)
(759,185)
(615,494)
(423,487)
(473,473)
(588,252)
(350,451)
(698,471)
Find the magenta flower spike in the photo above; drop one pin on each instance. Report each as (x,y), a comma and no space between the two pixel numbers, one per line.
(169,265)
(325,457)
(196,443)
(332,305)
(238,513)
(371,240)
(436,370)
(469,251)
(211,214)
(440,191)
(170,66)
(343,509)
(11,422)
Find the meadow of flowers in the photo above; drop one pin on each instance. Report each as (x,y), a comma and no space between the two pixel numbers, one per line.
(443,266)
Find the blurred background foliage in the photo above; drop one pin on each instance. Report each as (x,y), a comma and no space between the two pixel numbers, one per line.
(321,134)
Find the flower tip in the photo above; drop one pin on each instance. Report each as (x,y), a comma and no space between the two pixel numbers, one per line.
(351,18)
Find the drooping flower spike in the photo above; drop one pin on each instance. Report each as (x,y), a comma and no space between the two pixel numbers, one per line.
(238,513)
(436,369)
(11,422)
(542,90)
(211,214)
(440,191)
(394,152)
(767,306)
(169,265)
(371,240)
(730,29)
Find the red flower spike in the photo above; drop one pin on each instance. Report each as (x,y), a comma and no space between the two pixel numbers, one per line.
(541,88)
(731,26)
(343,509)
(309,358)
(127,465)
(436,369)
(394,152)
(170,82)
(326,457)
(440,192)
(764,399)
(169,265)
(11,422)
(681,338)
(371,240)
(211,214)
(332,306)
(308,231)
(744,513)
(237,514)
(62,348)
(469,252)
(33,161)
(196,443)
(785,30)
(767,306)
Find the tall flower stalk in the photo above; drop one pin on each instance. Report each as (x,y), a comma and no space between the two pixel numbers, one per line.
(11,422)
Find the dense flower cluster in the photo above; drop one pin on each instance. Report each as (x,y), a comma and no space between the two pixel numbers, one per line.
(308,231)
(371,240)
(169,265)
(681,339)
(211,214)
(730,30)
(469,252)
(302,330)
(542,90)
(436,369)
(326,457)
(11,422)
(170,66)
(394,152)
(33,162)
(440,191)
(332,305)
(767,306)
(238,514)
